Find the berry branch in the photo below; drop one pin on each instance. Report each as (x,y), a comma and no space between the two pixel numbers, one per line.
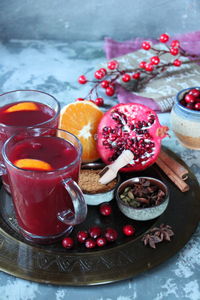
(146,70)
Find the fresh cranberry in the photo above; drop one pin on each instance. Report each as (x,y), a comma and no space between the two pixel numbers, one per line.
(195,92)
(110,91)
(177,62)
(164,38)
(174,51)
(142,64)
(99,74)
(90,243)
(113,64)
(128,230)
(95,232)
(146,45)
(111,234)
(136,75)
(190,106)
(101,241)
(155,60)
(103,70)
(82,79)
(197,106)
(105,84)
(68,242)
(149,67)
(105,209)
(82,236)
(175,44)
(99,101)
(80,99)
(126,77)
(189,98)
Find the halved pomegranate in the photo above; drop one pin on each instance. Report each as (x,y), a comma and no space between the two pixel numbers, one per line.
(130,126)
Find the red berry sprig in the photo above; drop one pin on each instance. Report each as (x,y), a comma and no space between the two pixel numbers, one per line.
(105,78)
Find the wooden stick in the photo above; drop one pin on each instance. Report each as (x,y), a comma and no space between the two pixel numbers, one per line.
(175,166)
(180,183)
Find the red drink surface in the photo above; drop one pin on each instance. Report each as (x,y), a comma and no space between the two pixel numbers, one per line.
(39,195)
(26,117)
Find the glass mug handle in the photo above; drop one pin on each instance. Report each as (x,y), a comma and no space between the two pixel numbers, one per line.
(2,169)
(80,207)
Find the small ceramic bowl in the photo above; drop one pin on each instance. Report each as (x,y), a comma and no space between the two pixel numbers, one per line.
(142,214)
(97,198)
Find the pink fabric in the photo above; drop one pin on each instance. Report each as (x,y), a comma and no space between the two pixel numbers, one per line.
(189,42)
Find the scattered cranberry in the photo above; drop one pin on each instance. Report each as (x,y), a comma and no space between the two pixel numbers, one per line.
(128,230)
(99,101)
(195,93)
(105,209)
(197,106)
(142,64)
(101,241)
(136,75)
(174,51)
(155,60)
(80,99)
(82,79)
(90,243)
(113,64)
(189,98)
(105,84)
(95,232)
(68,242)
(111,234)
(175,44)
(149,67)
(99,74)
(177,62)
(110,91)
(164,38)
(146,45)
(126,77)
(82,236)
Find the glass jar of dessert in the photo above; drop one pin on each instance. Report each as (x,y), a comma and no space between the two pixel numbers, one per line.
(185,117)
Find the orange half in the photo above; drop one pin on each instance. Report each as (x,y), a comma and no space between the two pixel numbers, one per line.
(33,164)
(82,118)
(22,106)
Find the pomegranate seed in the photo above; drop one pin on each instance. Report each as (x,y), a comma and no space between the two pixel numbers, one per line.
(99,101)
(175,44)
(149,67)
(142,64)
(113,64)
(174,51)
(82,79)
(164,38)
(189,98)
(111,234)
(126,77)
(195,93)
(110,91)
(197,106)
(80,99)
(101,241)
(136,75)
(155,60)
(128,230)
(105,209)
(177,62)
(105,84)
(82,236)
(95,232)
(146,45)
(68,242)
(90,243)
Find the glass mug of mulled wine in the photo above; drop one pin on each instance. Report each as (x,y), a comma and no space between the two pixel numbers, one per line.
(23,108)
(43,167)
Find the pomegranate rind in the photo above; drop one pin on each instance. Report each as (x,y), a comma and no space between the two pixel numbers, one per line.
(146,152)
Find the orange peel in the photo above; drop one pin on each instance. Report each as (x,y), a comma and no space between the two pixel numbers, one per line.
(33,164)
(22,106)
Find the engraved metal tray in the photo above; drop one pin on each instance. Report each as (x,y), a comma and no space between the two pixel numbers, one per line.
(116,261)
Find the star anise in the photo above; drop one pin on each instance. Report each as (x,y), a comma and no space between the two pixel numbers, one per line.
(157,235)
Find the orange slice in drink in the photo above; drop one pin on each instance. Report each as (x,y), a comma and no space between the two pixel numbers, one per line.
(33,164)
(82,118)
(22,106)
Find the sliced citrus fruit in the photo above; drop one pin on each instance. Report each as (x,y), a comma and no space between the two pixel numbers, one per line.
(32,164)
(82,118)
(22,106)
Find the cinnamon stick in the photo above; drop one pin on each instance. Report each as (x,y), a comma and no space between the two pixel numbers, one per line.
(175,166)
(179,182)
